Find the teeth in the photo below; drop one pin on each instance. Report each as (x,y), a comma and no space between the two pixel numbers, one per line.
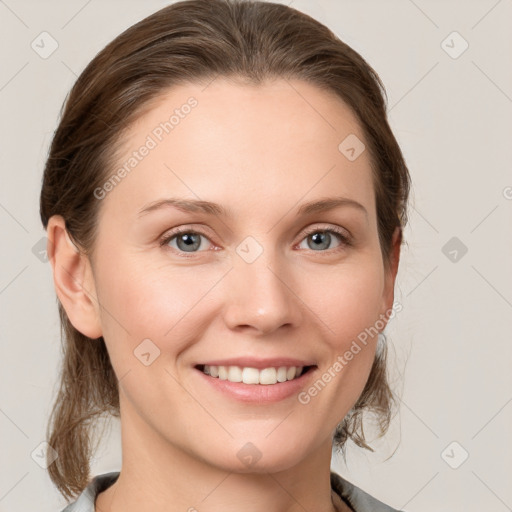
(234,374)
(253,375)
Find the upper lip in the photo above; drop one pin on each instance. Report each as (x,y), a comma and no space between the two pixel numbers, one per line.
(250,362)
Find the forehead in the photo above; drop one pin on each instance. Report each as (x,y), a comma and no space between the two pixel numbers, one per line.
(240,144)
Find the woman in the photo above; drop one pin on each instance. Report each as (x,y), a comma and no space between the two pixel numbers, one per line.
(224,201)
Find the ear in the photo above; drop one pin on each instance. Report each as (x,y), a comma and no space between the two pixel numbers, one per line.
(391,271)
(73,279)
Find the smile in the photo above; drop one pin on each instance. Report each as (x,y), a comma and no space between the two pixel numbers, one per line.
(248,375)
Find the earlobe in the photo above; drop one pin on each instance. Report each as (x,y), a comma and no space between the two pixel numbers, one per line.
(73,279)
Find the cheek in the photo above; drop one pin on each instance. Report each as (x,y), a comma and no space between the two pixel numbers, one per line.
(174,305)
(159,305)
(150,300)
(143,301)
(347,299)
(348,302)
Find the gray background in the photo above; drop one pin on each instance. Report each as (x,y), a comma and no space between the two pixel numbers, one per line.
(452,115)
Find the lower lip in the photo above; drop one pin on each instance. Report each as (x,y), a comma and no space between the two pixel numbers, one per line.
(259,393)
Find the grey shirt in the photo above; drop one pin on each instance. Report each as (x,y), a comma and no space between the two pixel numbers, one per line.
(354,497)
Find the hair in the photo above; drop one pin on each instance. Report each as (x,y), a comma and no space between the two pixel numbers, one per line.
(194,41)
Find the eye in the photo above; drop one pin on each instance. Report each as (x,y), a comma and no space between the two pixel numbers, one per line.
(322,238)
(186,240)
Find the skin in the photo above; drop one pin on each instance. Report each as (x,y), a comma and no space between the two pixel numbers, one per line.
(260,152)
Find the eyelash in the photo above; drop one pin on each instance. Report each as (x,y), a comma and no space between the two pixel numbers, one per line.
(345,240)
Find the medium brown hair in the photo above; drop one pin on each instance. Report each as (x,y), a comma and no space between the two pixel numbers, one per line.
(195,41)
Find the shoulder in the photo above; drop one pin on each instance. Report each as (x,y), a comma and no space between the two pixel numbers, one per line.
(85,501)
(359,500)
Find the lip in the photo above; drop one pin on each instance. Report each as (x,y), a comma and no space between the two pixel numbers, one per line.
(258,393)
(251,362)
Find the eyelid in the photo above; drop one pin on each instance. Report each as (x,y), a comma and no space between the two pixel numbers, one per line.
(344,236)
(170,235)
(343,233)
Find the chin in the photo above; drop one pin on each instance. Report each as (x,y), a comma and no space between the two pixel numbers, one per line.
(261,455)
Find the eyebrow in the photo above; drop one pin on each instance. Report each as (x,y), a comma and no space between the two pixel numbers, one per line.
(210,208)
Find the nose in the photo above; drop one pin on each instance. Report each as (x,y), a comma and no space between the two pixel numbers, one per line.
(260,297)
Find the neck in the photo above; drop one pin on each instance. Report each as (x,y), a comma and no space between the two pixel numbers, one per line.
(158,476)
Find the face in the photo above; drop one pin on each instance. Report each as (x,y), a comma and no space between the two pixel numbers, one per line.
(262,277)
